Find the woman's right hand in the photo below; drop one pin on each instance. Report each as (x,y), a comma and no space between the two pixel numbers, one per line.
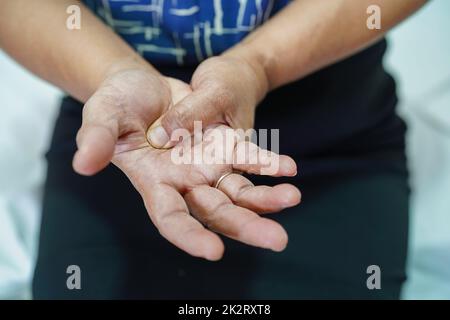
(116,117)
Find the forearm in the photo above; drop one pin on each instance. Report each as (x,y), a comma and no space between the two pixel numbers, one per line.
(310,34)
(35,34)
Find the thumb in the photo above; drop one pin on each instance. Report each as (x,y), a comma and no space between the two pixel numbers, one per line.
(96,138)
(197,106)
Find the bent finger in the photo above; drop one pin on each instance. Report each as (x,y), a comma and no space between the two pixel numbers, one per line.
(250,158)
(96,138)
(261,199)
(214,209)
(169,213)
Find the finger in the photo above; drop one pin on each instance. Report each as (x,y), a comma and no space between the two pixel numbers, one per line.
(261,199)
(169,213)
(250,158)
(197,106)
(96,138)
(214,209)
(179,91)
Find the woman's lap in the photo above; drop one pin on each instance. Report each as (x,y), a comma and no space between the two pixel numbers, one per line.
(348,221)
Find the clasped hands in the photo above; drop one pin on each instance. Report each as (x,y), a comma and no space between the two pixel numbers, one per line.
(181,199)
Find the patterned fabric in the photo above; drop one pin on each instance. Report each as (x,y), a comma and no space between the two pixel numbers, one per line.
(184,32)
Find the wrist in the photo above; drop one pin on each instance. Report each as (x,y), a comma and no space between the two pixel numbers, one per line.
(258,75)
(260,61)
(132,62)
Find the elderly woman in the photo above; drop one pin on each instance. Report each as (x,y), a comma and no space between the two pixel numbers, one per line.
(311,68)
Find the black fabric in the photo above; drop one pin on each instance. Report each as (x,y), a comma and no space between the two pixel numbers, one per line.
(340,126)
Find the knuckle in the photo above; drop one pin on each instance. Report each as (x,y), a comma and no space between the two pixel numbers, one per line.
(213,218)
(176,118)
(241,191)
(165,222)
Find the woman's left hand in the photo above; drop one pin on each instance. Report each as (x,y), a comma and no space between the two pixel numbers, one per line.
(225,89)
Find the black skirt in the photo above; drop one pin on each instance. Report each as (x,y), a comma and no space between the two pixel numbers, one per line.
(341,128)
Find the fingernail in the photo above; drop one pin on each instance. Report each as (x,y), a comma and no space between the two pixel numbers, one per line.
(158,137)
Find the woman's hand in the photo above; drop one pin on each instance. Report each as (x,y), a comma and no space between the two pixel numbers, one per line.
(117,116)
(226,89)
(188,210)
(115,121)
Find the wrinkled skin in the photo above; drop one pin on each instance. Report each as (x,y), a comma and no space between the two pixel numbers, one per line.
(180,198)
(225,90)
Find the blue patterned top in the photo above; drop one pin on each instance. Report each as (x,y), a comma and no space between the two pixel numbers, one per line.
(183,32)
